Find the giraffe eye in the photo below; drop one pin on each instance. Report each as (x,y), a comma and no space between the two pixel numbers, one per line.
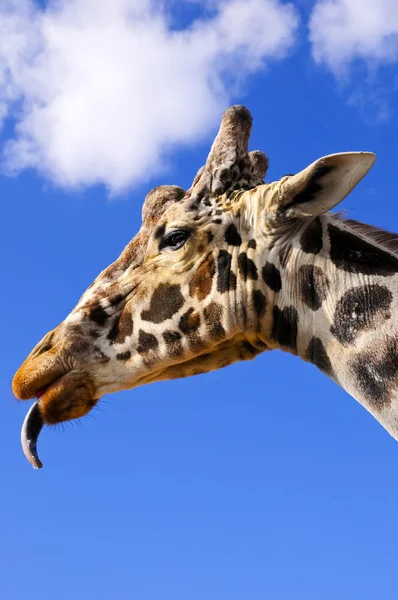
(173,240)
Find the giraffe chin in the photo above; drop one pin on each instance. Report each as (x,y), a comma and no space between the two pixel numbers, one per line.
(69,397)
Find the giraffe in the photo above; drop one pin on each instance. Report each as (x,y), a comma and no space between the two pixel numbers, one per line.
(220,273)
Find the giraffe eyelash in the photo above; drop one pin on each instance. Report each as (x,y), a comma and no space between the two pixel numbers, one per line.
(175,239)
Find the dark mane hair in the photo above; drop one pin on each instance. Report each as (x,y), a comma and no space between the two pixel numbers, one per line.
(382,237)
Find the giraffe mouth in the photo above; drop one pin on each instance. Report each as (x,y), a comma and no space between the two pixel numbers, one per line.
(31,428)
(68,397)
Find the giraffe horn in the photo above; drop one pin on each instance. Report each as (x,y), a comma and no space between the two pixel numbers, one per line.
(31,429)
(232,140)
(259,162)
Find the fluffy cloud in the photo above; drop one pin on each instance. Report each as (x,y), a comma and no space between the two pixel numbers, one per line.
(344,30)
(100,90)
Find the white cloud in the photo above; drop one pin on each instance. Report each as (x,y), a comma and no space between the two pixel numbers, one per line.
(344,30)
(101,89)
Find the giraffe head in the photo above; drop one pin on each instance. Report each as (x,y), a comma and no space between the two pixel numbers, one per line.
(195,289)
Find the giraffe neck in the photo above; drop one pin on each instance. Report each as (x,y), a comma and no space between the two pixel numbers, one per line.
(339,309)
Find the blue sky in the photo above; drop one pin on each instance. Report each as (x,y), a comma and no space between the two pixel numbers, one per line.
(265,479)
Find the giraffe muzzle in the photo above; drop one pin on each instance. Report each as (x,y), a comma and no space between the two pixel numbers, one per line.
(70,397)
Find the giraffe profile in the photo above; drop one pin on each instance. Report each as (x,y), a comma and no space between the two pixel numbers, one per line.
(222,272)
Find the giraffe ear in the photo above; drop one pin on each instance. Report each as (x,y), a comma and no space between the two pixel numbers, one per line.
(324,184)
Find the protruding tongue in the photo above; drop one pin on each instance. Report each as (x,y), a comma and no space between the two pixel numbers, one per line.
(31,429)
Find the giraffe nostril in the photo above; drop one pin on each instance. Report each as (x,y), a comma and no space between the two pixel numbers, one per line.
(43,349)
(45,345)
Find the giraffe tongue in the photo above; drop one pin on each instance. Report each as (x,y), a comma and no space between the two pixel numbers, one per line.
(31,428)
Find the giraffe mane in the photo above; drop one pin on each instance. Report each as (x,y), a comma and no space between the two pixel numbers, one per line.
(384,238)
